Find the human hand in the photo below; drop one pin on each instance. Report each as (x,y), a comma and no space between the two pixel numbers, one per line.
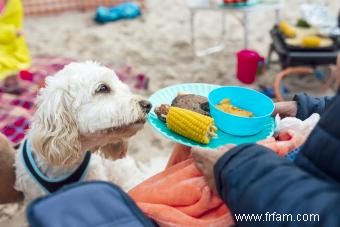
(205,161)
(286,109)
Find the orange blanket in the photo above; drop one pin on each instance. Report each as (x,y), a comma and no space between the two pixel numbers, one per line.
(180,196)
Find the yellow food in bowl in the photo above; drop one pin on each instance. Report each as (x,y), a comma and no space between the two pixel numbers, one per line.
(226,106)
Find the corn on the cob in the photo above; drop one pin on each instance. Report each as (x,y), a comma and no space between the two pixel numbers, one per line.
(288,30)
(311,41)
(195,126)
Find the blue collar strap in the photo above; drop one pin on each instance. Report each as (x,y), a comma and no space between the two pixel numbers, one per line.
(52,185)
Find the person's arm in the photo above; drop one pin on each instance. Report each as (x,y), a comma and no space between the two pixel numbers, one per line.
(307,105)
(251,179)
(321,150)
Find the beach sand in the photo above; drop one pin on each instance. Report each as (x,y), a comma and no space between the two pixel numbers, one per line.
(157,44)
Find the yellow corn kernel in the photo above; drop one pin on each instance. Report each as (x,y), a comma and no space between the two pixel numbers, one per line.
(192,125)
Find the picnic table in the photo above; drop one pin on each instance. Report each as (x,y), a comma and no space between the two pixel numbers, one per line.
(251,7)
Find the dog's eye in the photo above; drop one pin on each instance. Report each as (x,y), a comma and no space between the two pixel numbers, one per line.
(103,88)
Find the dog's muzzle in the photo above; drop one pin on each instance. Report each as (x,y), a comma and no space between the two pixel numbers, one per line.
(145,105)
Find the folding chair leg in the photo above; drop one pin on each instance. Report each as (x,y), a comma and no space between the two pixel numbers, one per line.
(245,23)
(270,53)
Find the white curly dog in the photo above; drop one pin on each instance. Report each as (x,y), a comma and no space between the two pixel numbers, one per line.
(84,117)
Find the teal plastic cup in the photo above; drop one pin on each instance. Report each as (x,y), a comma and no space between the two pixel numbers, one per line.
(244,98)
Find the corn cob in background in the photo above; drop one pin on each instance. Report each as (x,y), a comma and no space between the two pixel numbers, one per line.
(288,30)
(187,123)
(311,41)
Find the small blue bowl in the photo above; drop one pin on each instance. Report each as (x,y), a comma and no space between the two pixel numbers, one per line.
(248,99)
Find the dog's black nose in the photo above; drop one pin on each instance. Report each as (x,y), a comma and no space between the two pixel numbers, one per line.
(146,106)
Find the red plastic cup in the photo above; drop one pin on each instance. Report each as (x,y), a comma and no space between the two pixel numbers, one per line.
(247,65)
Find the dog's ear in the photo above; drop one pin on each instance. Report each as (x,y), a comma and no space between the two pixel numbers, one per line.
(115,150)
(54,132)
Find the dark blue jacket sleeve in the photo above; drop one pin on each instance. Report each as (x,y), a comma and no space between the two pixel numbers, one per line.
(307,105)
(251,179)
(320,154)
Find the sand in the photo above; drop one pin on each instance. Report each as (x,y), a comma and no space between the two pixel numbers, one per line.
(157,44)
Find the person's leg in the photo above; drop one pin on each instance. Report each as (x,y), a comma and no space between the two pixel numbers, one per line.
(7,173)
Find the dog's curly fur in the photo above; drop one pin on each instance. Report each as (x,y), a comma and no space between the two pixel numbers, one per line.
(84,107)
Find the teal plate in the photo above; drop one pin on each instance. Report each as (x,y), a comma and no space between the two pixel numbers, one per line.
(166,95)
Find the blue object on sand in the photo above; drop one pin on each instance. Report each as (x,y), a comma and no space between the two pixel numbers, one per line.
(248,3)
(127,10)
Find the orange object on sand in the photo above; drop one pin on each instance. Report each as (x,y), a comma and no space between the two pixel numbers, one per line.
(180,196)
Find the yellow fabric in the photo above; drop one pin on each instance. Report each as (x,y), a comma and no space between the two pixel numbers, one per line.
(14,54)
(7,33)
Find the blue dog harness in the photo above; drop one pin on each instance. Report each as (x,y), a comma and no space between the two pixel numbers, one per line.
(54,184)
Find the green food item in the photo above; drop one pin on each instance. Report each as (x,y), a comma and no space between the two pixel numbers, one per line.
(301,23)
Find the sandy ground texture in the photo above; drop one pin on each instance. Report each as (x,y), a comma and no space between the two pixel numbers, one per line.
(157,44)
